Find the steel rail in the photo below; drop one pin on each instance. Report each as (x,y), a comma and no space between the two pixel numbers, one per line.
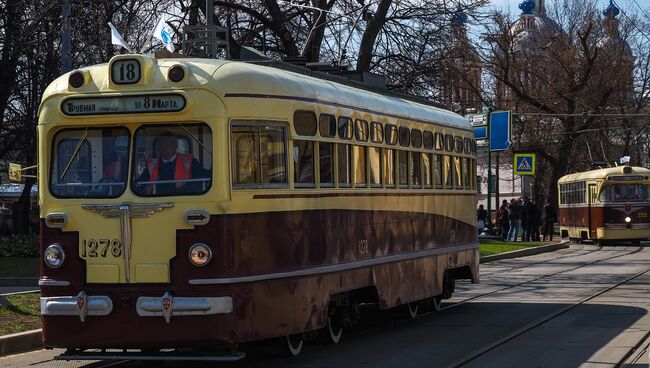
(540,321)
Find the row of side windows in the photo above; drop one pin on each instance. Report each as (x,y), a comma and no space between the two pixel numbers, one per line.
(259,159)
(573,193)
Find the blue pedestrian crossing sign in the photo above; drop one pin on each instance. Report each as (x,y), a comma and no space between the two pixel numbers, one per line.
(525,164)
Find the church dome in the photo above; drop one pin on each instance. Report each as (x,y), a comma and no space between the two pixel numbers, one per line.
(534,29)
(613,40)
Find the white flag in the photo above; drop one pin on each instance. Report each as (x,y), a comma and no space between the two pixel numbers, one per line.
(116,38)
(163,32)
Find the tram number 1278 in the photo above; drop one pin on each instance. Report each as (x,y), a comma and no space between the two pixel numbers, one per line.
(101,247)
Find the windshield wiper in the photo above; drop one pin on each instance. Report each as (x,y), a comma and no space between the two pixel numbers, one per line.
(196,139)
(74,154)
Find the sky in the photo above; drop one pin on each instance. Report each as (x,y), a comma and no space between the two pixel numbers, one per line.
(624,4)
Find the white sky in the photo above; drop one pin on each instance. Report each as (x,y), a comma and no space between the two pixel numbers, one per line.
(624,4)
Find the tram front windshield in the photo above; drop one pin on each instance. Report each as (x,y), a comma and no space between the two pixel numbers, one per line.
(90,162)
(167,160)
(624,193)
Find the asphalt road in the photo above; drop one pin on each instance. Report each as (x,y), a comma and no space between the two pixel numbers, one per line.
(579,307)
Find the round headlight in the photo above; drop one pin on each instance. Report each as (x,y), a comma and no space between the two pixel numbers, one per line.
(628,219)
(200,254)
(54,256)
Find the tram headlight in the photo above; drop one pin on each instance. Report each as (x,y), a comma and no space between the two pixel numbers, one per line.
(176,73)
(54,256)
(200,254)
(628,219)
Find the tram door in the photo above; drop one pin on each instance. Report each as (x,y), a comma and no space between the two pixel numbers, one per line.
(593,212)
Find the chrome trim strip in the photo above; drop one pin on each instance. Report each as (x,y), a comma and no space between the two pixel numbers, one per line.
(125,235)
(233,357)
(96,305)
(318,270)
(48,282)
(54,215)
(152,306)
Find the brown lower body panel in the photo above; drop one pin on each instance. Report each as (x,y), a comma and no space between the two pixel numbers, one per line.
(261,309)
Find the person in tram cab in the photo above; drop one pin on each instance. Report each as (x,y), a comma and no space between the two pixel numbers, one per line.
(114,162)
(171,172)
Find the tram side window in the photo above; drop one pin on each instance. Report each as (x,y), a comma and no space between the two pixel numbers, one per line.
(389,168)
(426,169)
(449,184)
(466,170)
(90,163)
(303,163)
(374,159)
(259,154)
(437,170)
(376,132)
(416,173)
(390,132)
(359,168)
(458,179)
(403,167)
(327,125)
(326,158)
(439,142)
(173,159)
(304,122)
(344,167)
(345,128)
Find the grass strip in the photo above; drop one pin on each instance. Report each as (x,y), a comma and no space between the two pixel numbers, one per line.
(25,315)
(491,247)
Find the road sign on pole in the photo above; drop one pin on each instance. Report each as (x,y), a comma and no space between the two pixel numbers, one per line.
(480,132)
(500,131)
(477,120)
(525,164)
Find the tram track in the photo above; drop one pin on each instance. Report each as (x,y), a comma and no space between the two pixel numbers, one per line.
(538,322)
(640,248)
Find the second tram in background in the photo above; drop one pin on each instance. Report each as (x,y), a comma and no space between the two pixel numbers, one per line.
(605,205)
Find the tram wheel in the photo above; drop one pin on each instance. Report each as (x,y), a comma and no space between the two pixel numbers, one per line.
(334,329)
(294,344)
(412,309)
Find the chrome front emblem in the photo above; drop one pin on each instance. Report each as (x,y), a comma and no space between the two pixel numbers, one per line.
(82,305)
(167,303)
(125,212)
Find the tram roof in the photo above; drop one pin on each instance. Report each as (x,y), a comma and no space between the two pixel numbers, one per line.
(604,173)
(237,78)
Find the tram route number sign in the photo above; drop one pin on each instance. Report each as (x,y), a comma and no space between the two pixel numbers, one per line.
(525,164)
(140,104)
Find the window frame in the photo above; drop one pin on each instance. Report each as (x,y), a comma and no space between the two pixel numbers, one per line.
(404,136)
(334,124)
(357,132)
(316,123)
(373,128)
(54,146)
(285,127)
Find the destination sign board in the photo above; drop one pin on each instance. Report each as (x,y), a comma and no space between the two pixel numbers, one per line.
(140,104)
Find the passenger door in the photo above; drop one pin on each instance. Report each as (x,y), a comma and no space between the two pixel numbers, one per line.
(593,211)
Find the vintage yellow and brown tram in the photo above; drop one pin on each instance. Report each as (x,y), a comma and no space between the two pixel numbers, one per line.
(606,204)
(187,203)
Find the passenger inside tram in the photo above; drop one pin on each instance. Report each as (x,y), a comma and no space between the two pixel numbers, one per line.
(171,171)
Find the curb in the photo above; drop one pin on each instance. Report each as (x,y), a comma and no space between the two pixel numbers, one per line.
(526,252)
(20,342)
(19,281)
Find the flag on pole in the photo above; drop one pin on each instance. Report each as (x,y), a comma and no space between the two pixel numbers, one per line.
(163,32)
(116,38)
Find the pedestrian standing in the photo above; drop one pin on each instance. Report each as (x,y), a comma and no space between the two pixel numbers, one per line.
(550,217)
(535,221)
(514,217)
(481,217)
(525,223)
(502,219)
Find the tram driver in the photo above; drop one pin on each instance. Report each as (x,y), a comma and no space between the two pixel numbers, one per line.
(172,171)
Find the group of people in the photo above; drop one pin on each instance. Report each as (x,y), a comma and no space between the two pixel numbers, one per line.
(525,214)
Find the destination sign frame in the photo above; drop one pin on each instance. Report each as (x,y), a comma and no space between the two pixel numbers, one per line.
(127,104)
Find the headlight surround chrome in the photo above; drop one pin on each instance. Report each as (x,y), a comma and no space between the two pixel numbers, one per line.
(200,254)
(54,256)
